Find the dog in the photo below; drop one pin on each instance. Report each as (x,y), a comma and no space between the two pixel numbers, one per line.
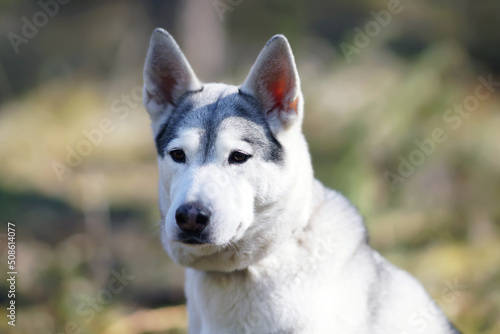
(267,248)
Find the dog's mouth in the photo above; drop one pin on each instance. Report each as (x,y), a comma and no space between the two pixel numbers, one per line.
(193,239)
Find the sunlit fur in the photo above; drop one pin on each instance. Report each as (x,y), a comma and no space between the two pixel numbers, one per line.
(286,254)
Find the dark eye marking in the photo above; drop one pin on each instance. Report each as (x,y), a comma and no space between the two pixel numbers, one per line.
(238,157)
(178,155)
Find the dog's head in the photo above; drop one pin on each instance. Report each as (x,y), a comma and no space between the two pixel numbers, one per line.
(235,172)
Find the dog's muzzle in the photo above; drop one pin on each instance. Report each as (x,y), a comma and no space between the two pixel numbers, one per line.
(192,218)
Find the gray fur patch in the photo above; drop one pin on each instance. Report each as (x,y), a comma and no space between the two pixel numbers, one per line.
(212,105)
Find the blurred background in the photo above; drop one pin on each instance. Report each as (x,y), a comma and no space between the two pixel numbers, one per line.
(402,116)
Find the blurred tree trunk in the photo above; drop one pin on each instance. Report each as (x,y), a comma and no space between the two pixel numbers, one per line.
(202,38)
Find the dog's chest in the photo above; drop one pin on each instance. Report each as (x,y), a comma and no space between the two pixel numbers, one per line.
(244,303)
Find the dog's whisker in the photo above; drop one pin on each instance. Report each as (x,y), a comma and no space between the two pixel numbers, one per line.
(156,229)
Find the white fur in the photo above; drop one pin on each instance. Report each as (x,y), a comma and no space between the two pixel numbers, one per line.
(288,255)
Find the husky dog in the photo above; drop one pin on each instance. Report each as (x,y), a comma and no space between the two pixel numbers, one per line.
(268,249)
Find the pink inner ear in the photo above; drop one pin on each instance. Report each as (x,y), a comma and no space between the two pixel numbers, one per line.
(276,86)
(167,85)
(279,87)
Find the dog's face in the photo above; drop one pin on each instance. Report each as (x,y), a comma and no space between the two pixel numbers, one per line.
(225,155)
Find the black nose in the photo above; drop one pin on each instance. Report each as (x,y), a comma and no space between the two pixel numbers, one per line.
(192,218)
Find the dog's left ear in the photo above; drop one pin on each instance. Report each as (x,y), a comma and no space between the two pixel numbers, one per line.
(275,82)
(167,74)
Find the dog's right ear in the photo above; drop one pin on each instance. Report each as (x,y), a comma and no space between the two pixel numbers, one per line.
(167,74)
(274,82)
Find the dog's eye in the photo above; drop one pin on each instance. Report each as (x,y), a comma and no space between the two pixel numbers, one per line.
(178,155)
(238,157)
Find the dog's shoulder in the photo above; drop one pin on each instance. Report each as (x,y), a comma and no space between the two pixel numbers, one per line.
(336,217)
